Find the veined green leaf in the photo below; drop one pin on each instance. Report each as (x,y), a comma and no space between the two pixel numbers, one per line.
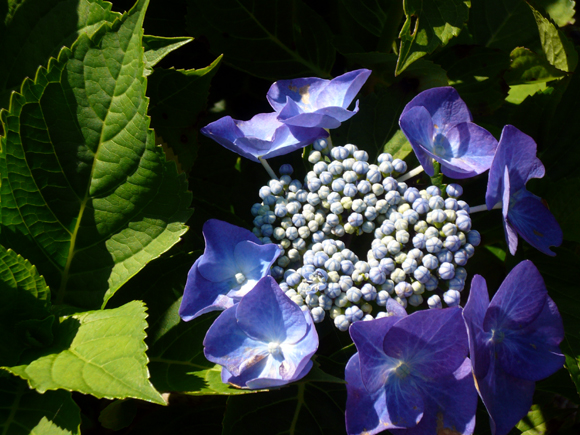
(86,195)
(272,39)
(430,24)
(559,51)
(24,304)
(95,352)
(157,47)
(528,67)
(24,411)
(38,29)
(561,11)
(178,97)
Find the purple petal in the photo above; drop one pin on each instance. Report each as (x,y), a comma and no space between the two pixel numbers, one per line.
(444,105)
(433,343)
(226,344)
(303,91)
(474,313)
(218,261)
(511,235)
(417,126)
(225,132)
(366,413)
(343,89)
(533,352)
(471,151)
(405,404)
(534,222)
(202,296)
(519,300)
(506,398)
(292,114)
(368,338)
(517,151)
(268,315)
(449,406)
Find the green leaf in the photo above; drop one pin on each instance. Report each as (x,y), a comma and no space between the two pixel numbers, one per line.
(398,146)
(24,411)
(96,352)
(430,24)
(369,13)
(503,24)
(528,67)
(561,11)
(303,408)
(558,49)
(38,29)
(24,304)
(518,93)
(157,47)
(272,39)
(178,98)
(86,195)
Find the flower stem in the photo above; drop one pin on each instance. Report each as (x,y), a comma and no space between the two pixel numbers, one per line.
(410,174)
(268,168)
(483,207)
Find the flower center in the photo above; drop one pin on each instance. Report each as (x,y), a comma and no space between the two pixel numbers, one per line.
(240,278)
(497,336)
(274,348)
(402,370)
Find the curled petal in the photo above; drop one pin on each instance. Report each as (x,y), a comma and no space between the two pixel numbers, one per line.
(417,125)
(474,313)
(303,91)
(517,151)
(202,296)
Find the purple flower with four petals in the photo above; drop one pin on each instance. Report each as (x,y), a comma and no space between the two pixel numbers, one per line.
(233,262)
(314,102)
(410,374)
(515,162)
(263,341)
(513,342)
(439,126)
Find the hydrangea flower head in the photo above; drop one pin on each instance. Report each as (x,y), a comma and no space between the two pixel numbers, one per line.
(315,102)
(263,136)
(264,341)
(524,213)
(513,342)
(233,262)
(410,374)
(439,126)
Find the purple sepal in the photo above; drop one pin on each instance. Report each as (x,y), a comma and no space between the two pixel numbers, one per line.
(263,341)
(450,407)
(513,342)
(438,125)
(517,151)
(262,136)
(211,283)
(313,102)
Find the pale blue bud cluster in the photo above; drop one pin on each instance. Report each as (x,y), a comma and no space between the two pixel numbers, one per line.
(423,238)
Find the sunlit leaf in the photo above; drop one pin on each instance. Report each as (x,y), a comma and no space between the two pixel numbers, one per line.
(87,197)
(96,352)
